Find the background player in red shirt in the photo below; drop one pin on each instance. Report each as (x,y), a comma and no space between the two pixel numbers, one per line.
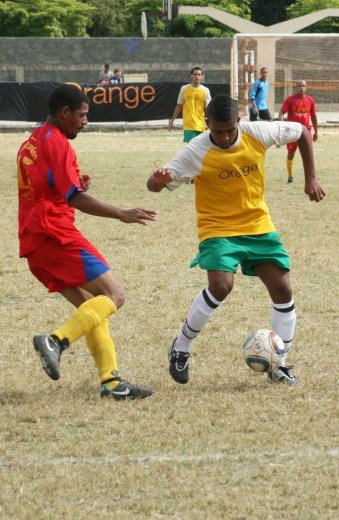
(59,256)
(300,107)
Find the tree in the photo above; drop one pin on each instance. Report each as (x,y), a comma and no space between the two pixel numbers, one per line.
(109,18)
(185,26)
(49,18)
(302,7)
(269,12)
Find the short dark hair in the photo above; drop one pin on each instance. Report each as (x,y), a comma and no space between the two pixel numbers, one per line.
(66,96)
(197,68)
(223,108)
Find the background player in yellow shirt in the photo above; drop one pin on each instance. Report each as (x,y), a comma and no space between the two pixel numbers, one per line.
(192,101)
(234,224)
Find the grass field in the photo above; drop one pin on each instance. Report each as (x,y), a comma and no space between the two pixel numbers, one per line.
(227,445)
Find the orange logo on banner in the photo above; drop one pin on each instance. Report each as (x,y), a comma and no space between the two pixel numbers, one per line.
(131,97)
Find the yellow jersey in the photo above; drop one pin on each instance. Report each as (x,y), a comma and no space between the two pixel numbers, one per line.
(194,101)
(230,183)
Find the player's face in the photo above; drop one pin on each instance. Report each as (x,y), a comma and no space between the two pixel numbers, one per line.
(224,133)
(74,120)
(301,88)
(196,77)
(263,74)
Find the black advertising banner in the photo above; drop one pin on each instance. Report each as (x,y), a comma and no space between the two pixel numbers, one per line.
(112,103)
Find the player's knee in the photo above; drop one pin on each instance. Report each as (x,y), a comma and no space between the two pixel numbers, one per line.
(222,290)
(282,293)
(119,297)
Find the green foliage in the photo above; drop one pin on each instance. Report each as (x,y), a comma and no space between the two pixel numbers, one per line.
(109,18)
(185,26)
(80,18)
(50,18)
(269,12)
(302,7)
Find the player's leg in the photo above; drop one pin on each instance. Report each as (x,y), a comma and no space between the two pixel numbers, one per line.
(107,298)
(90,313)
(98,340)
(291,149)
(80,273)
(253,114)
(277,282)
(265,115)
(205,303)
(220,258)
(90,320)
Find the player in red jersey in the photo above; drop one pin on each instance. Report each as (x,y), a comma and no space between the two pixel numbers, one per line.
(300,107)
(59,256)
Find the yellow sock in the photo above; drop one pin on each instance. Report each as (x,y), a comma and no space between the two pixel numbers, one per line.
(101,346)
(290,168)
(87,317)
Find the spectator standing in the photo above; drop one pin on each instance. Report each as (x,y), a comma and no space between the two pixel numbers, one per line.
(116,79)
(258,96)
(192,101)
(105,75)
(300,107)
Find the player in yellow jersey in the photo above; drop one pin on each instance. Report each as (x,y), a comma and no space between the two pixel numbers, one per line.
(192,101)
(234,224)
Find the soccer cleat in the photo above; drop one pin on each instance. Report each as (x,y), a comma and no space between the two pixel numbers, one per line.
(282,375)
(289,180)
(178,366)
(124,390)
(49,349)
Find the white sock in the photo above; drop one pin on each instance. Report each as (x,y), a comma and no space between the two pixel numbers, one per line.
(198,315)
(283,323)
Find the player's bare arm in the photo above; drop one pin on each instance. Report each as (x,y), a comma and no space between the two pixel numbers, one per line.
(92,206)
(315,126)
(176,112)
(85,180)
(312,187)
(281,115)
(159,179)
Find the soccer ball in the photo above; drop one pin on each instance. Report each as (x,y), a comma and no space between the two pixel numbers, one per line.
(263,350)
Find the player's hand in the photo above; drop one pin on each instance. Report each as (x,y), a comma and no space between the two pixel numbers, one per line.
(85,181)
(314,190)
(170,126)
(137,216)
(162,176)
(315,137)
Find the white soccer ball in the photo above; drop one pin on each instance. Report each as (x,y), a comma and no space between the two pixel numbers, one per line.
(263,350)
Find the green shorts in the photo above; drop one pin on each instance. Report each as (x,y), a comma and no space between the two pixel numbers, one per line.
(190,134)
(225,254)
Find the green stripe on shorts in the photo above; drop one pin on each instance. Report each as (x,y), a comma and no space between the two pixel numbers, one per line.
(190,134)
(225,254)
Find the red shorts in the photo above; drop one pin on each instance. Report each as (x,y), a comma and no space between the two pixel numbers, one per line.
(291,147)
(59,267)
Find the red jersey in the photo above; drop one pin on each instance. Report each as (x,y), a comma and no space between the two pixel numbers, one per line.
(299,109)
(48,174)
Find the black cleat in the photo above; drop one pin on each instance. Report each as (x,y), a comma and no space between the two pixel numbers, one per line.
(289,180)
(178,366)
(49,349)
(124,390)
(282,375)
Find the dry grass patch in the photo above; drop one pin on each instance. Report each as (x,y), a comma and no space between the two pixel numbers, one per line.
(227,445)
